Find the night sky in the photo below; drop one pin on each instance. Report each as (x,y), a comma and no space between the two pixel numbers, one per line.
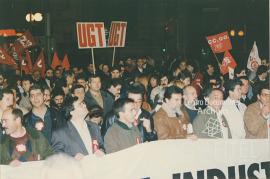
(187,23)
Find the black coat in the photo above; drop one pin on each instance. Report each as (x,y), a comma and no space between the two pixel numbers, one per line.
(107,101)
(68,140)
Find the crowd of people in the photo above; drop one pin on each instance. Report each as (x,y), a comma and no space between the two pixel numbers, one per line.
(104,110)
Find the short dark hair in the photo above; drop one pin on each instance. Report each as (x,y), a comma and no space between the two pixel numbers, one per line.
(119,105)
(58,92)
(93,76)
(5,91)
(68,73)
(114,82)
(238,69)
(136,88)
(95,111)
(231,84)
(17,113)
(81,76)
(243,78)
(69,106)
(27,78)
(261,69)
(211,90)
(36,87)
(115,68)
(172,90)
(184,74)
(162,75)
(262,86)
(206,66)
(76,87)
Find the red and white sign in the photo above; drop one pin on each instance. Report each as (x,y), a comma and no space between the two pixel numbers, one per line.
(91,35)
(117,36)
(227,63)
(220,42)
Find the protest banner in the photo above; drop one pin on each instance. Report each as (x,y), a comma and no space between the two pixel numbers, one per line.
(168,159)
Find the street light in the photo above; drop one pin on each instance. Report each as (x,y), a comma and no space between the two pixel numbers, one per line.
(33,17)
(240,33)
(232,33)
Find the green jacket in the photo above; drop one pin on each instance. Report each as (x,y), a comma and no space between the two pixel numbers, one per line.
(39,144)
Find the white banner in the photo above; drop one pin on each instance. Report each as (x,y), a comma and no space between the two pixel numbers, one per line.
(167,159)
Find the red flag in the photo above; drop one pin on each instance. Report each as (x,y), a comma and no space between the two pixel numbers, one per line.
(5,58)
(28,60)
(55,61)
(65,63)
(23,42)
(40,64)
(26,63)
(228,61)
(220,42)
(25,67)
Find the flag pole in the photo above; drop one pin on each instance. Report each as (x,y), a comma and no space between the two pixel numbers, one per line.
(21,68)
(216,59)
(113,56)
(93,61)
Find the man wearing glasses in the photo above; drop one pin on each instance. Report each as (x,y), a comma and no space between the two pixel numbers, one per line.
(21,144)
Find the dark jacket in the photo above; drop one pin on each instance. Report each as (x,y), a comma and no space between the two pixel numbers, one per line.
(58,116)
(146,136)
(30,120)
(38,142)
(107,101)
(68,140)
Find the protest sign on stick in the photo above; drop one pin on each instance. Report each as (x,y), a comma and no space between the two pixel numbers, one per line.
(91,35)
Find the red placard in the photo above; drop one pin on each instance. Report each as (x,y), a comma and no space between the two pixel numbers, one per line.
(228,61)
(220,42)
(91,35)
(117,36)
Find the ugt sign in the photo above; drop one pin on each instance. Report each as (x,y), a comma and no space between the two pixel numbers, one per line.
(117,36)
(91,35)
